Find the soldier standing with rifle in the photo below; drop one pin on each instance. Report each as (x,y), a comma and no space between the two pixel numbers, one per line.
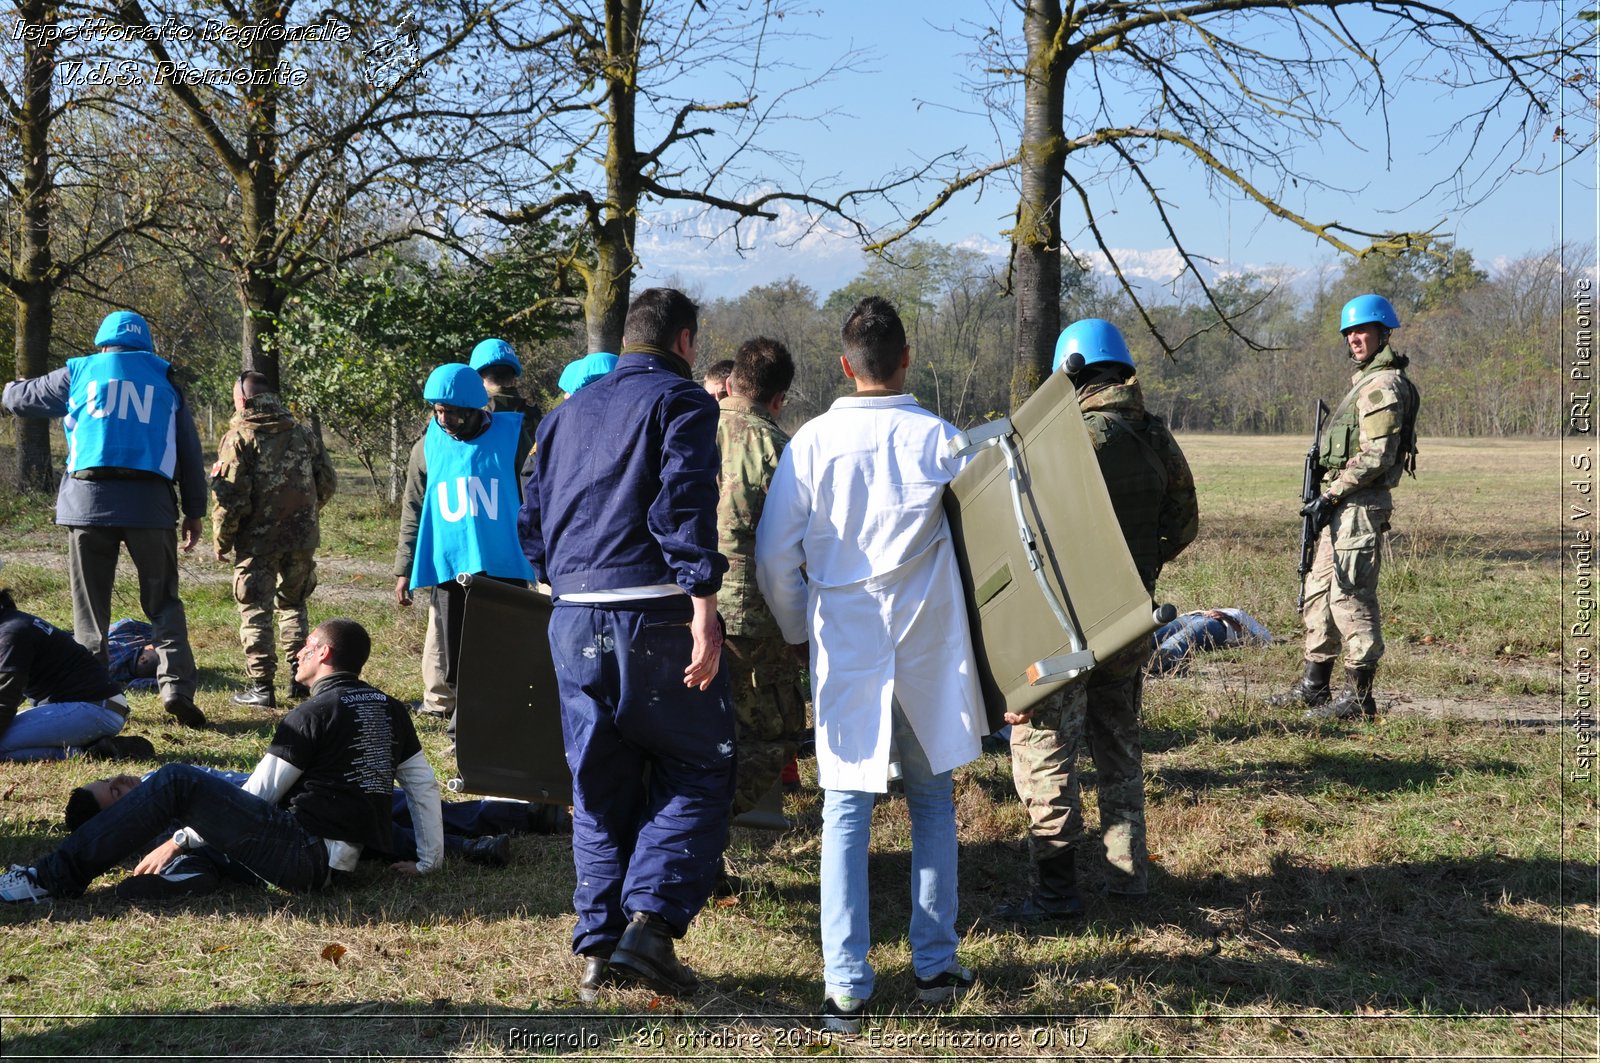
(1369,442)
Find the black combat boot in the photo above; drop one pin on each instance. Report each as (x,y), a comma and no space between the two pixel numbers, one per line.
(1054,896)
(1311,690)
(181,707)
(1354,701)
(596,976)
(494,851)
(645,954)
(258,695)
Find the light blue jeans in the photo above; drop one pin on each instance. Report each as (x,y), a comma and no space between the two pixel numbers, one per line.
(846,825)
(58,729)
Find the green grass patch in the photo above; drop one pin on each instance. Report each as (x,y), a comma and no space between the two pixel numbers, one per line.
(1416,886)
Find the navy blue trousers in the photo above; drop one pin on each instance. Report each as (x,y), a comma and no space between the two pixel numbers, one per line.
(652,766)
(262,839)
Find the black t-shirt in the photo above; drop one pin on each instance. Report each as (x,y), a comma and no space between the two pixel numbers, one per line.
(346,740)
(47,664)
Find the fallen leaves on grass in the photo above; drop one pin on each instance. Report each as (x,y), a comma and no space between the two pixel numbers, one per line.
(334,953)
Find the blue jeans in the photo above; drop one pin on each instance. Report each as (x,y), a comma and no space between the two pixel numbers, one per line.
(45,732)
(1185,637)
(640,844)
(846,825)
(260,838)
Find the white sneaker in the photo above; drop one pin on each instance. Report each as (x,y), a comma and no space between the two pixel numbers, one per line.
(18,884)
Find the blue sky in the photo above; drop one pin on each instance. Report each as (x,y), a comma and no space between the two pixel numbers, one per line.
(909,100)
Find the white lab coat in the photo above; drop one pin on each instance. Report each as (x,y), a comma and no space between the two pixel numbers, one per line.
(856,500)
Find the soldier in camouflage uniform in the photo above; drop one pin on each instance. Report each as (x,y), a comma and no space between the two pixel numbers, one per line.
(763,671)
(1370,440)
(271,479)
(1152,491)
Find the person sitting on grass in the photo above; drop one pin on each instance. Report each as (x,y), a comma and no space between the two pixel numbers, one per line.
(76,706)
(317,798)
(478,831)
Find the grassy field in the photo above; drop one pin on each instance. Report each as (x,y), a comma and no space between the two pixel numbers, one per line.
(1420,886)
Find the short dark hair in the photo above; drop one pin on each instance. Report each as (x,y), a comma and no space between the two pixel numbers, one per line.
(81,808)
(720,370)
(762,368)
(254,383)
(657,315)
(348,643)
(499,374)
(874,339)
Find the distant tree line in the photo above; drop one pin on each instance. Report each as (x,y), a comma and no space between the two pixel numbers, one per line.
(1485,349)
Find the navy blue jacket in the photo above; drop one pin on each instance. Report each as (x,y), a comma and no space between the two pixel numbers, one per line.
(622,487)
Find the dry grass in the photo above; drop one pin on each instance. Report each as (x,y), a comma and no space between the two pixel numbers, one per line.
(1411,888)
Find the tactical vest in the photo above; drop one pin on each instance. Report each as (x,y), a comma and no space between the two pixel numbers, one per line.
(121,418)
(469,513)
(1341,439)
(1136,478)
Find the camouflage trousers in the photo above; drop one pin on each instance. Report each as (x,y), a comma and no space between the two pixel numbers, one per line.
(769,705)
(1102,711)
(1342,587)
(269,586)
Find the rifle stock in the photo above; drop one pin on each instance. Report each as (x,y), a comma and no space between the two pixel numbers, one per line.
(1310,486)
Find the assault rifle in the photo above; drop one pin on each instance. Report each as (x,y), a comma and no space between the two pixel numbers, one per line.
(1310,488)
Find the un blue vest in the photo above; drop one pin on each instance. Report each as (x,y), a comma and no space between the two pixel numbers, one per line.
(469,514)
(121,414)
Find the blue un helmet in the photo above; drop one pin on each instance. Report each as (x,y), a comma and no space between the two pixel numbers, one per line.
(1091,340)
(1365,310)
(586,371)
(456,385)
(124,328)
(495,352)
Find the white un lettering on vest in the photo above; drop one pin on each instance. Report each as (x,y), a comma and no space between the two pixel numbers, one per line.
(121,397)
(471,498)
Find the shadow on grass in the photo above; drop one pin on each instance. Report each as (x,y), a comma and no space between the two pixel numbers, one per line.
(1443,935)
(1319,773)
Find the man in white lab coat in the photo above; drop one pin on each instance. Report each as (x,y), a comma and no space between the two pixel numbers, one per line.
(856,502)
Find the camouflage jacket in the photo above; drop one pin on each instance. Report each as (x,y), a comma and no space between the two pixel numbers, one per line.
(1371,438)
(1146,474)
(271,478)
(751,443)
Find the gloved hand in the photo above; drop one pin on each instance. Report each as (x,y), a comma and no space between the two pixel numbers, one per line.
(1320,510)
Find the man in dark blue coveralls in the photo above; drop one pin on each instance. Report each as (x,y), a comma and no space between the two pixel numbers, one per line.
(620,518)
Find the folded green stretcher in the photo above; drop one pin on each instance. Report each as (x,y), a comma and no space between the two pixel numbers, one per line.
(1050,585)
(508,709)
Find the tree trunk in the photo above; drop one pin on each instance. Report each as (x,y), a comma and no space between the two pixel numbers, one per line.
(33,349)
(397,462)
(260,287)
(33,265)
(1036,242)
(610,279)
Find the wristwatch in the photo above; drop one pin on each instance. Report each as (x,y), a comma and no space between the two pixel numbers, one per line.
(180,838)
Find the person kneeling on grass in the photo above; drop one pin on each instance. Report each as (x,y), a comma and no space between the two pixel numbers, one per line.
(77,707)
(478,831)
(317,798)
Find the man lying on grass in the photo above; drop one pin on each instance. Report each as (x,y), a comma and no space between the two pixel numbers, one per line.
(477,831)
(320,794)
